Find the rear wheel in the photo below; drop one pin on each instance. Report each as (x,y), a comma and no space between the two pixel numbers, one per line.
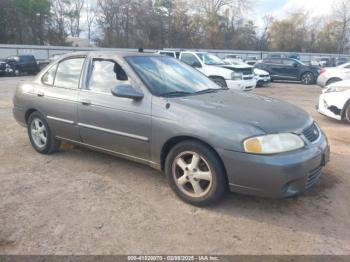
(308,78)
(195,173)
(220,81)
(40,134)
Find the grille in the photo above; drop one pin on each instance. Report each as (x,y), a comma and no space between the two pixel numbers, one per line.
(244,71)
(247,78)
(313,177)
(311,133)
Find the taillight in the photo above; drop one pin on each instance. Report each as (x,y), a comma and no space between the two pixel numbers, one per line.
(322,71)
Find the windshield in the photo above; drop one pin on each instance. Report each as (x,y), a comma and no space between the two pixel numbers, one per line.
(166,76)
(210,59)
(298,61)
(344,65)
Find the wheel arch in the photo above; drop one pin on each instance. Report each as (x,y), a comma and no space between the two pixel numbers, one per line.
(168,145)
(217,76)
(333,78)
(28,113)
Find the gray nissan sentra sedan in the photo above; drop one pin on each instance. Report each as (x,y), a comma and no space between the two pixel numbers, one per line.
(158,111)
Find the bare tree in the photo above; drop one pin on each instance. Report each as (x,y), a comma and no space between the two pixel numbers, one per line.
(342,16)
(90,18)
(74,14)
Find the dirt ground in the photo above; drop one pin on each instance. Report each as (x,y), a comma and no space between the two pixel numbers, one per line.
(82,202)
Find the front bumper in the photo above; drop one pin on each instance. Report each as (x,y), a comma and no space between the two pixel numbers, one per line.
(261,81)
(327,108)
(276,176)
(244,85)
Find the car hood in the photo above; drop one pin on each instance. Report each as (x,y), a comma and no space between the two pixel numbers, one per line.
(267,114)
(237,66)
(260,71)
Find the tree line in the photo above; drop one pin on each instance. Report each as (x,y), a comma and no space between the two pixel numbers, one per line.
(211,24)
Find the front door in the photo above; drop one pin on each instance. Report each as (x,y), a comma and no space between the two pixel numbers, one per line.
(119,125)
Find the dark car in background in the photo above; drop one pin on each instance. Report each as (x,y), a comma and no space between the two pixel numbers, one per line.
(23,64)
(289,69)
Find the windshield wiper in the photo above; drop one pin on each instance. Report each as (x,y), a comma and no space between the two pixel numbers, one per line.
(176,93)
(210,90)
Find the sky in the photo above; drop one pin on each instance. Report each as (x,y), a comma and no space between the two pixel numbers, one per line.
(281,8)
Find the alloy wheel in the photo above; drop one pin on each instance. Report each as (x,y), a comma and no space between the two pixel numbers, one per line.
(38,133)
(307,78)
(192,174)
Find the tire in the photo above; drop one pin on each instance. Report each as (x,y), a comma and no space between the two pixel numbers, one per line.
(346,112)
(183,174)
(307,78)
(40,134)
(220,81)
(332,81)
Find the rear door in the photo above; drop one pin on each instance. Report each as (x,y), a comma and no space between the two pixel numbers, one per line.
(273,66)
(119,125)
(57,96)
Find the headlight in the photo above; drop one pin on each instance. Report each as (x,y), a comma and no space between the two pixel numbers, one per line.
(272,144)
(336,89)
(236,76)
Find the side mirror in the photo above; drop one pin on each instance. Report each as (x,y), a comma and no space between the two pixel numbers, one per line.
(127,91)
(196,65)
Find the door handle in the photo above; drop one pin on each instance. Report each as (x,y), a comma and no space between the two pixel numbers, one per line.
(40,93)
(85,102)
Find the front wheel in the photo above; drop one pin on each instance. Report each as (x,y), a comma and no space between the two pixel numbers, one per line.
(347,113)
(195,173)
(16,72)
(40,134)
(308,78)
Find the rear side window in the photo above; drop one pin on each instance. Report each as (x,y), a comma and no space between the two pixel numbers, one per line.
(68,73)
(49,77)
(106,74)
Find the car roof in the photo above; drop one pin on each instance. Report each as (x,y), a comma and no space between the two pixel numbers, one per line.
(107,53)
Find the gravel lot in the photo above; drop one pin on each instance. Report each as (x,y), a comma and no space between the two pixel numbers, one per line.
(82,202)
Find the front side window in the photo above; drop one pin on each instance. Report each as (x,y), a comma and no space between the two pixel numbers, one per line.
(289,62)
(189,59)
(165,76)
(68,73)
(106,74)
(49,77)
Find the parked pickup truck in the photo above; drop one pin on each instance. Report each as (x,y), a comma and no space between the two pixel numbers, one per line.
(220,72)
(23,64)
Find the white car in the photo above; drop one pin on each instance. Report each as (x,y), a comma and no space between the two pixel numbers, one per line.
(262,77)
(334,101)
(216,69)
(330,75)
